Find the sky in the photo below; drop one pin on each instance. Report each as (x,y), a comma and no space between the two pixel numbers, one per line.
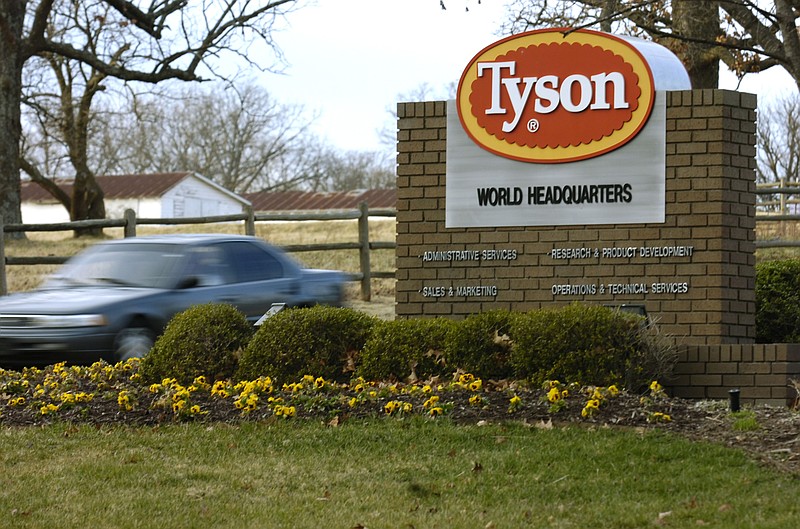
(350,60)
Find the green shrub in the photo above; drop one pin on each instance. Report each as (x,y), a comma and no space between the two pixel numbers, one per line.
(589,344)
(319,341)
(203,340)
(406,349)
(481,344)
(778,301)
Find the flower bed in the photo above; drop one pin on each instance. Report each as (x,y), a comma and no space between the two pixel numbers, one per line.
(104,393)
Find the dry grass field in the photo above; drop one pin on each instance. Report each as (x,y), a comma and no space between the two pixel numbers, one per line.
(21,278)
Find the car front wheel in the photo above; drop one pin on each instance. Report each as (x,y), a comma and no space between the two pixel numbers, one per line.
(133,343)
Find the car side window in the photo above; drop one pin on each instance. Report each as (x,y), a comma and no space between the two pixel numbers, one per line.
(208,265)
(251,263)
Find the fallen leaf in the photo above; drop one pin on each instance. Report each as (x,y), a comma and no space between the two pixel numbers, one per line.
(333,423)
(477,467)
(325,496)
(545,425)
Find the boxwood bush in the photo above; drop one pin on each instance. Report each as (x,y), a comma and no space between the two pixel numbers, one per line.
(778,301)
(319,341)
(203,340)
(589,344)
(481,344)
(407,349)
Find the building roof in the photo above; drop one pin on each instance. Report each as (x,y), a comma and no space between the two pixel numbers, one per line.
(123,186)
(305,200)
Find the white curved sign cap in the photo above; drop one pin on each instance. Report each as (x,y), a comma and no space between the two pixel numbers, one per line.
(668,71)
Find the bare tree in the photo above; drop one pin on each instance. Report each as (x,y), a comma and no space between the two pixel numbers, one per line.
(234,136)
(149,42)
(748,36)
(353,170)
(778,154)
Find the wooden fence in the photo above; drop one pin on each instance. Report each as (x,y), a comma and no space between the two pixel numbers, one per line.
(772,210)
(129,224)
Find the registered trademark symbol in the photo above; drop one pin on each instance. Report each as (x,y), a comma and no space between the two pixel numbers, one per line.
(533,125)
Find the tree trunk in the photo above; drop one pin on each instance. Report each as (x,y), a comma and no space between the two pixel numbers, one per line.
(12,14)
(87,203)
(698,20)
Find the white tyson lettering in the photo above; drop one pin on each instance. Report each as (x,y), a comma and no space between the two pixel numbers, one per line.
(591,92)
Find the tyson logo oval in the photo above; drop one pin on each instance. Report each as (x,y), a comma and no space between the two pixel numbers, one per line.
(555,95)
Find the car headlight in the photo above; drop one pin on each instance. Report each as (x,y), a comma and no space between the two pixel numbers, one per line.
(67,320)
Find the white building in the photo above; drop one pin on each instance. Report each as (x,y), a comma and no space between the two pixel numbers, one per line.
(152,196)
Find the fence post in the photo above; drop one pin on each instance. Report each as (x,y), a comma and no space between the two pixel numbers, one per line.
(363,239)
(130,223)
(250,221)
(3,284)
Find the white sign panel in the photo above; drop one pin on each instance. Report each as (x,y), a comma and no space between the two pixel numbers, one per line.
(624,186)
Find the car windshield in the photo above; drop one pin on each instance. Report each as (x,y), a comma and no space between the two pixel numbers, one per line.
(137,265)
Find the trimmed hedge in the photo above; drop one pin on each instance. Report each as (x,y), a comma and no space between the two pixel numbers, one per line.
(589,344)
(320,341)
(202,340)
(481,344)
(407,349)
(778,301)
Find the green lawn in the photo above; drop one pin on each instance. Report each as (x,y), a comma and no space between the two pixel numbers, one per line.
(383,473)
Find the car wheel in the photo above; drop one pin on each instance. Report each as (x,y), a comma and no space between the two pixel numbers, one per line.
(133,343)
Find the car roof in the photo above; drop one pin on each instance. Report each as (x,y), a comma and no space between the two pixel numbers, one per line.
(184,238)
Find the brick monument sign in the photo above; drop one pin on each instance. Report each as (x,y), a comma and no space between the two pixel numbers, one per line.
(510,197)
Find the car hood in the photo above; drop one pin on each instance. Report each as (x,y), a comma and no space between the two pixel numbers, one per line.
(70,300)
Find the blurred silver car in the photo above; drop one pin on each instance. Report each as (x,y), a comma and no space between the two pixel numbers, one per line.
(112,300)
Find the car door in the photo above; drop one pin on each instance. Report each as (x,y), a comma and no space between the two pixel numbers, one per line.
(255,278)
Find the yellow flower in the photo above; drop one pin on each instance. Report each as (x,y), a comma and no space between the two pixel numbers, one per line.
(427,389)
(124,401)
(391,407)
(284,411)
(659,417)
(352,402)
(194,410)
(407,407)
(476,385)
(613,391)
(435,411)
(19,401)
(655,387)
(319,382)
(48,408)
(466,378)
(476,400)
(554,395)
(550,384)
(220,389)
(591,406)
(178,406)
(431,402)
(515,400)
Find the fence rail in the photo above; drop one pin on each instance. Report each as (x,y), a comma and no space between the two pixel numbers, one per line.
(777,210)
(129,224)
